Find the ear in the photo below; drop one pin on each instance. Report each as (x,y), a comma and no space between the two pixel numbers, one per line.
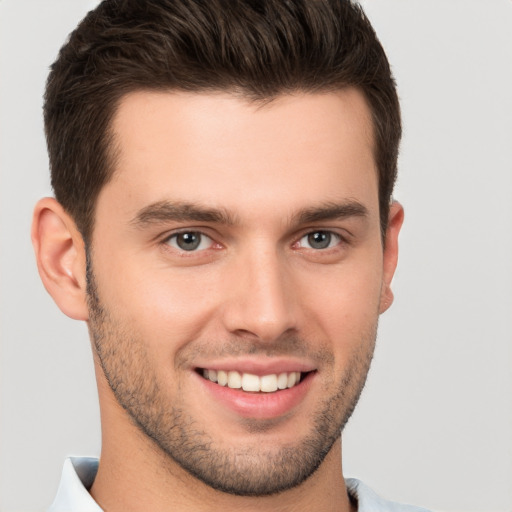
(395,221)
(60,256)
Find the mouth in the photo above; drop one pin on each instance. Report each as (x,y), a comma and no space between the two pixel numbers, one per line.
(255,389)
(251,383)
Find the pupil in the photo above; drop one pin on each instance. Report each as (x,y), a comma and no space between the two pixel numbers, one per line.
(188,241)
(319,240)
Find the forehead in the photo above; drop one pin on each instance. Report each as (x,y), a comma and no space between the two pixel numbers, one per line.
(215,148)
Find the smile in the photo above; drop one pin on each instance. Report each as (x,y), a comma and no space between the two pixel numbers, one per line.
(253,383)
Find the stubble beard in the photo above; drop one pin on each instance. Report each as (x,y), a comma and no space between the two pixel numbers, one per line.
(256,470)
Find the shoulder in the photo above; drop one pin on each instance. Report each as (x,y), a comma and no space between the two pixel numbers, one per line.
(368,501)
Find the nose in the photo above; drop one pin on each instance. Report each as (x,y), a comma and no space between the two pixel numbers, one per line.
(261,300)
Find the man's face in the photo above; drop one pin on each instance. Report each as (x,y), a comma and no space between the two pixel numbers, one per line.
(239,242)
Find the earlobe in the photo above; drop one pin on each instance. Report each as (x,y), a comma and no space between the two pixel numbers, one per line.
(60,256)
(390,260)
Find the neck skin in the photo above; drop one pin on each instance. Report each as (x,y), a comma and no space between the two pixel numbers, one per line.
(135,476)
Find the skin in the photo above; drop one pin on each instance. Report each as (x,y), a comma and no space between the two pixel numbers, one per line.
(255,292)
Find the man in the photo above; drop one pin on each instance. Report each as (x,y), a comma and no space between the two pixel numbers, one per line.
(223,222)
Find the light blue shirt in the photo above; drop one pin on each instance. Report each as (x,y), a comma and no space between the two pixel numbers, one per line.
(79,472)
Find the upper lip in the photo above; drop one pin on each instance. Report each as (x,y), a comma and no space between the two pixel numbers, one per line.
(258,366)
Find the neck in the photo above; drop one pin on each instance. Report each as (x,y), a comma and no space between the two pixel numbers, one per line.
(129,480)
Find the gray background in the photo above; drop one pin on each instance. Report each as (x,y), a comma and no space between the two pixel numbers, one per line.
(434,426)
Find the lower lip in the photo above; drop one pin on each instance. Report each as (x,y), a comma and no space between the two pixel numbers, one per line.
(260,405)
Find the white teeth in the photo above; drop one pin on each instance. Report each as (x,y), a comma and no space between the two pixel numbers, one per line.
(234,380)
(222,377)
(253,383)
(269,383)
(250,382)
(282,381)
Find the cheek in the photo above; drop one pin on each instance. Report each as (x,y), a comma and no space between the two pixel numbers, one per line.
(164,307)
(345,303)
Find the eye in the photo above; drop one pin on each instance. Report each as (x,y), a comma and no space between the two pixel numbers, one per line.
(189,241)
(320,240)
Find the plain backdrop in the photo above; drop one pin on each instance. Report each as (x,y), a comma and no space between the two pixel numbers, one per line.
(434,425)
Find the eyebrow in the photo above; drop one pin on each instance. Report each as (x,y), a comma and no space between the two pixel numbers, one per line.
(166,211)
(331,211)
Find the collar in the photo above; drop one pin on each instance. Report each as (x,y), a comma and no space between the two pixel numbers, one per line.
(368,501)
(79,472)
(78,475)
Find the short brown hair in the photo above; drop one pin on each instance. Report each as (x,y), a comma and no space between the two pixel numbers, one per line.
(258,48)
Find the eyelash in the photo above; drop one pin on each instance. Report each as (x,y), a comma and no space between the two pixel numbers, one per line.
(331,236)
(172,242)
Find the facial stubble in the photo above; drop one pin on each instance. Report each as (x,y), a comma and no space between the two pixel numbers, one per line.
(260,469)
